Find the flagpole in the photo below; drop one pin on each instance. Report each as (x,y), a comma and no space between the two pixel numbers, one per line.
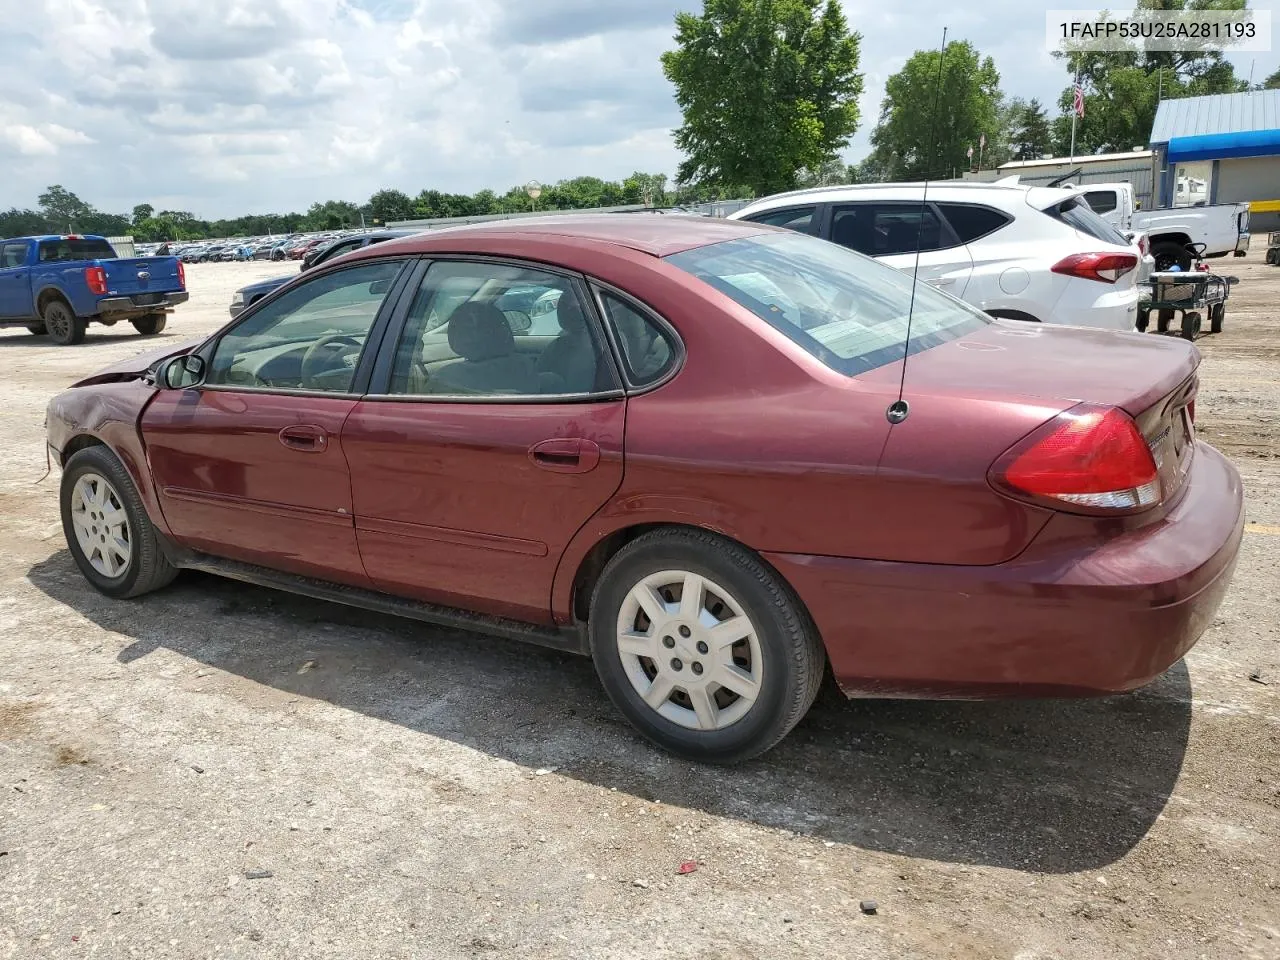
(1074,112)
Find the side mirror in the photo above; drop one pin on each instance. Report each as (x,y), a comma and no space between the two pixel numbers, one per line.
(180,373)
(379,286)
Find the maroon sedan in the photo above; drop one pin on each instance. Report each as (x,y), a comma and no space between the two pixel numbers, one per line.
(677,445)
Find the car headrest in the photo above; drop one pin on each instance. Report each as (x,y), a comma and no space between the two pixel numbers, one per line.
(479,331)
(569,313)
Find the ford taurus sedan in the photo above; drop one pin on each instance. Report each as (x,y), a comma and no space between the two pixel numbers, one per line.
(705,466)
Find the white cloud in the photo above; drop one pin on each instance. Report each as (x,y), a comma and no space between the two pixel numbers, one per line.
(230,106)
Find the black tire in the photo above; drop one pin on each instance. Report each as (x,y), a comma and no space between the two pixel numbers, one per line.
(1190,324)
(147,569)
(792,656)
(36,329)
(61,322)
(1217,314)
(1144,319)
(1163,319)
(150,325)
(1271,255)
(1168,253)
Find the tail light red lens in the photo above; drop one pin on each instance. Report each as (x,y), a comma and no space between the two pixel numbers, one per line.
(1088,459)
(1103,267)
(182,275)
(96,280)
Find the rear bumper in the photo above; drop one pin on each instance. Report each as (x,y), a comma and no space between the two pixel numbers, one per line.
(1062,619)
(116,306)
(1088,303)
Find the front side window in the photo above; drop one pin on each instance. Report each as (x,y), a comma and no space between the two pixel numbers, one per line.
(888,229)
(311,338)
(801,219)
(848,311)
(498,330)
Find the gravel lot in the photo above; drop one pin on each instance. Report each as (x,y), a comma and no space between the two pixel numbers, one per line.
(414,792)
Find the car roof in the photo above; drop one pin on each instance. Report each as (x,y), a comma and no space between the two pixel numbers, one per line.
(656,236)
(997,194)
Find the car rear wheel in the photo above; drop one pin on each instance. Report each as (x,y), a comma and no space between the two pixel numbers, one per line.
(702,646)
(149,325)
(107,528)
(61,323)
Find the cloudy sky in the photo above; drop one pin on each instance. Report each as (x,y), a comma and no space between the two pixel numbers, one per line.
(224,107)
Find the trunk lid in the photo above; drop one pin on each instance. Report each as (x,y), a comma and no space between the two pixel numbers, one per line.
(1153,379)
(132,276)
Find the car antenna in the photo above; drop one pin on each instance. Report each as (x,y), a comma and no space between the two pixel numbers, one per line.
(899,409)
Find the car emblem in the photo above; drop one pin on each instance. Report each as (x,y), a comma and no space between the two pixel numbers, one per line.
(144,275)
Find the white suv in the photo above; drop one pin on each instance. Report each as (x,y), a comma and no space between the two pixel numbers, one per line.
(1024,253)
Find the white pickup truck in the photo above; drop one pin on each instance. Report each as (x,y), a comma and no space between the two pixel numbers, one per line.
(1174,234)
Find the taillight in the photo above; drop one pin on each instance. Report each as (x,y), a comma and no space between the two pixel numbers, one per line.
(182,275)
(1191,411)
(1105,267)
(1088,459)
(96,279)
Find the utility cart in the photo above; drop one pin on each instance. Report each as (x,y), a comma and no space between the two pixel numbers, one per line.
(1273,249)
(1193,293)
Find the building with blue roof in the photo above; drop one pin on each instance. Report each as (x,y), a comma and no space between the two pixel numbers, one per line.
(1223,148)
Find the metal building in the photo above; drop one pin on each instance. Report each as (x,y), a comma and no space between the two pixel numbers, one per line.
(1221,149)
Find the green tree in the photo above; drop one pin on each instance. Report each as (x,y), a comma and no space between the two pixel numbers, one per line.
(831,173)
(1272,82)
(63,209)
(1123,88)
(143,211)
(1030,136)
(766,88)
(919,114)
(388,205)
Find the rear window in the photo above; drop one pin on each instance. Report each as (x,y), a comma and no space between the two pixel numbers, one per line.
(847,310)
(75,248)
(1075,213)
(971,222)
(1101,201)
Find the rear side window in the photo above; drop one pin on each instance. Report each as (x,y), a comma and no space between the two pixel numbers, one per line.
(801,219)
(1101,201)
(972,222)
(75,248)
(13,255)
(648,352)
(887,229)
(1076,213)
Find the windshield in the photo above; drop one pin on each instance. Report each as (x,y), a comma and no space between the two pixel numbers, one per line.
(846,309)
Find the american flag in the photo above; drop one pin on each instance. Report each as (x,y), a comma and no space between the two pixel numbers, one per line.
(1078,102)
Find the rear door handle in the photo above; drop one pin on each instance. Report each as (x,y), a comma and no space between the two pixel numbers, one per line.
(305,438)
(942,281)
(571,455)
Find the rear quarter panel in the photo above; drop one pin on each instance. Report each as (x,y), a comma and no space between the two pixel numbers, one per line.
(67,279)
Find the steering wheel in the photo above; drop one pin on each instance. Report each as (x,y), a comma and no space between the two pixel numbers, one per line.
(320,355)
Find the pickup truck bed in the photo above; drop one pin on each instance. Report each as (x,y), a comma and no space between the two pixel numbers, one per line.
(58,285)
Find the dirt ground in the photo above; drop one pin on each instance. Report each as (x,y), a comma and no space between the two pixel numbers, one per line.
(218,770)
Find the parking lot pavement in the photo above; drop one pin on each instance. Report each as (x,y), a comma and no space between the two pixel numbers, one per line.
(218,770)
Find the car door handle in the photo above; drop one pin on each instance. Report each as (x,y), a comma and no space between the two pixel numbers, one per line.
(305,438)
(942,281)
(566,455)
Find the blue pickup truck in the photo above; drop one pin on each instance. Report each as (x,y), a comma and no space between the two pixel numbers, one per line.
(59,285)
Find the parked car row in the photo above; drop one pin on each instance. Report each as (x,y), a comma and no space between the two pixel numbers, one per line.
(292,247)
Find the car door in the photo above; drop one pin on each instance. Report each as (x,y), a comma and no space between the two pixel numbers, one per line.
(15,279)
(249,464)
(478,460)
(891,230)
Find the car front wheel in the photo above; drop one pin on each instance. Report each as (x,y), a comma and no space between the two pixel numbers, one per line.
(702,646)
(107,528)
